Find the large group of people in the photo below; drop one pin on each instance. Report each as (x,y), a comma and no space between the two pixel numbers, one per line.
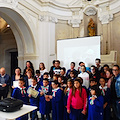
(86,93)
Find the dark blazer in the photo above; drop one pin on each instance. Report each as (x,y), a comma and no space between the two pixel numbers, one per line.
(13,79)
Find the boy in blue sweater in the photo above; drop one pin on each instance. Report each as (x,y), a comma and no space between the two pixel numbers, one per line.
(21,93)
(34,99)
(44,100)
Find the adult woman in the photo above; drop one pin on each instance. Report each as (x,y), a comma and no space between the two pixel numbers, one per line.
(29,65)
(16,77)
(110,77)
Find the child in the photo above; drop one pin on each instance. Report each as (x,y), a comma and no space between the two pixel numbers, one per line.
(34,100)
(28,77)
(66,94)
(77,101)
(93,82)
(20,93)
(57,103)
(61,84)
(106,95)
(85,76)
(44,76)
(72,75)
(38,76)
(55,77)
(95,104)
(44,100)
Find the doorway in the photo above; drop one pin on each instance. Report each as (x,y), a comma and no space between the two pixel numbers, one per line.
(14,61)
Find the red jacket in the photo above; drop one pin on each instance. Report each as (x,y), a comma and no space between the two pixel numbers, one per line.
(77,102)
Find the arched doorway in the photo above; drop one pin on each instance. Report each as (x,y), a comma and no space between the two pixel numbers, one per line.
(8,48)
(22,29)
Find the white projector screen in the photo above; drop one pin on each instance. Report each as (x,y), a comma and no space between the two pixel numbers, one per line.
(85,49)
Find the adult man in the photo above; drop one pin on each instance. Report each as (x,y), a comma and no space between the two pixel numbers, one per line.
(4,83)
(115,91)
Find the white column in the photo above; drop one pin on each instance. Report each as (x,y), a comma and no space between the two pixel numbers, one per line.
(46,42)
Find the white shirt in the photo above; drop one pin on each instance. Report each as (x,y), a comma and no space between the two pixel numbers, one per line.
(29,82)
(85,77)
(43,71)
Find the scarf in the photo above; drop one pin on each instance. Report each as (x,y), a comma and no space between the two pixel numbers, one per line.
(23,91)
(45,89)
(38,78)
(92,101)
(68,91)
(54,91)
(103,90)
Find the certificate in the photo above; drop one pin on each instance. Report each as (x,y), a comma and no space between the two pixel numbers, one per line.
(15,84)
(32,92)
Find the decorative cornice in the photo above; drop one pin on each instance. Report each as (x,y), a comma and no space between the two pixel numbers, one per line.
(48,18)
(74,22)
(106,18)
(14,3)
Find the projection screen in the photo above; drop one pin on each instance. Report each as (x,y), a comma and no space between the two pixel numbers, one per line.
(85,49)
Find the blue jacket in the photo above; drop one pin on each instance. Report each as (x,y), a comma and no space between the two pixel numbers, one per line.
(18,95)
(95,111)
(45,106)
(117,86)
(34,101)
(7,80)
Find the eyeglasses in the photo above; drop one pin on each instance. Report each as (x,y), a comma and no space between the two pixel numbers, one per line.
(114,70)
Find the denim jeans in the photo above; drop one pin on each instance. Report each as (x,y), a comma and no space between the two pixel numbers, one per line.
(116,109)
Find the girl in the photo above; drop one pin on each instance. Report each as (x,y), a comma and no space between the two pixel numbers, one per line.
(95,104)
(57,101)
(65,97)
(106,95)
(42,69)
(103,73)
(77,99)
(85,76)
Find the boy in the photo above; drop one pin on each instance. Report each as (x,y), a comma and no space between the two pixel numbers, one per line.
(34,100)
(98,62)
(44,100)
(56,69)
(20,93)
(93,82)
(57,103)
(38,76)
(62,73)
